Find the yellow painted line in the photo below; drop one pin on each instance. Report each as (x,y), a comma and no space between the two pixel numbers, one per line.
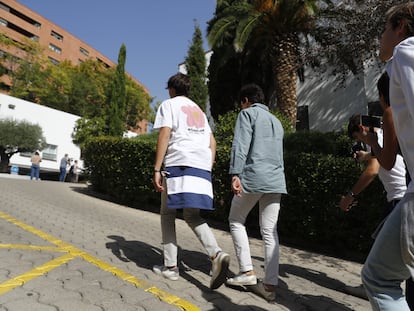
(34,273)
(75,252)
(33,247)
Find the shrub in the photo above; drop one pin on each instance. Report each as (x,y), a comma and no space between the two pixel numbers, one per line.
(318,170)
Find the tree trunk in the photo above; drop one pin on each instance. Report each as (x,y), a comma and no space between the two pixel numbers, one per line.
(284,67)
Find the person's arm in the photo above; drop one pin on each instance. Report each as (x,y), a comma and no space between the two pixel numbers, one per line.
(213,147)
(387,154)
(364,180)
(240,148)
(241,143)
(162,145)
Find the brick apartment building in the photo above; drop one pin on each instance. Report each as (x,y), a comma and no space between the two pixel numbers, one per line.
(18,22)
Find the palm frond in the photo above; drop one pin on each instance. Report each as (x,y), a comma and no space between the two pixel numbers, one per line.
(221,30)
(244,29)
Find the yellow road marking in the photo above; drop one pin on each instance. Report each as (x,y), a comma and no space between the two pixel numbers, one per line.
(34,273)
(74,252)
(33,247)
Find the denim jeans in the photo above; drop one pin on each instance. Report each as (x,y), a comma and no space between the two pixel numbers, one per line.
(62,174)
(269,206)
(194,220)
(35,171)
(384,269)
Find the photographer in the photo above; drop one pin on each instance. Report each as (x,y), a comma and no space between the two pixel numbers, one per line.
(393,180)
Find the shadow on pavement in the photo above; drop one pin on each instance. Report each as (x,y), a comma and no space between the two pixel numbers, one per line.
(323,280)
(145,256)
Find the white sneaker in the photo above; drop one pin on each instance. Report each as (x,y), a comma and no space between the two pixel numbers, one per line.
(219,269)
(171,274)
(243,279)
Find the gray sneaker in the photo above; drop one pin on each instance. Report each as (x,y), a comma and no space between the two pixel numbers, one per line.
(171,274)
(260,290)
(219,269)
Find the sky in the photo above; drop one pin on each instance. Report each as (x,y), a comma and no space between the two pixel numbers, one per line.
(157,34)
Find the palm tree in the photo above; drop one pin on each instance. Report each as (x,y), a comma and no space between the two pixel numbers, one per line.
(276,26)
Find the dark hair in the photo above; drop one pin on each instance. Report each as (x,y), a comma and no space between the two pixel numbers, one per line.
(353,124)
(180,83)
(383,86)
(404,11)
(36,153)
(253,92)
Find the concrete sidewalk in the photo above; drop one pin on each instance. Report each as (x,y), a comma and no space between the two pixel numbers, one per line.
(63,249)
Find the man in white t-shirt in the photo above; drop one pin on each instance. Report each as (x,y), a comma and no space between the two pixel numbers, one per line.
(391,259)
(186,146)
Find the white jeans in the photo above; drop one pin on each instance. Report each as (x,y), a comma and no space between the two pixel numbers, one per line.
(269,206)
(194,220)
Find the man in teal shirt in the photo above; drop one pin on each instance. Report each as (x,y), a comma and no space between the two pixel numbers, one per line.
(257,170)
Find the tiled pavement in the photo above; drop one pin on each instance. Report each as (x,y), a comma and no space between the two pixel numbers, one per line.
(63,249)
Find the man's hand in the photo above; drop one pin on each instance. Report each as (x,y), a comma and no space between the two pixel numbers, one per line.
(236,185)
(362,156)
(346,203)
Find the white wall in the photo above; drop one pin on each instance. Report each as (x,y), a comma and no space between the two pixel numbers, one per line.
(57,128)
(330,104)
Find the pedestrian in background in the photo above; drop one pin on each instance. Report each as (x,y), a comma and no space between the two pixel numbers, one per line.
(257,170)
(74,172)
(186,146)
(35,169)
(64,162)
(391,259)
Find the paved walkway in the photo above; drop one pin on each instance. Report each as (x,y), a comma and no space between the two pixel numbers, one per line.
(63,249)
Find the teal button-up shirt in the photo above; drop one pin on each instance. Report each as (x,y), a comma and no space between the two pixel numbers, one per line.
(257,151)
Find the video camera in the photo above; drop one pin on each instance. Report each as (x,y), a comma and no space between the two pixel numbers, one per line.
(371,121)
(357,146)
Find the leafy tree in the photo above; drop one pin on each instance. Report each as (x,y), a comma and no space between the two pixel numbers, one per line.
(16,137)
(274,25)
(137,104)
(347,35)
(90,81)
(195,63)
(116,113)
(86,129)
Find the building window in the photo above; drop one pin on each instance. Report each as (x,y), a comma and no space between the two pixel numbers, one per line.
(4,7)
(35,38)
(56,35)
(53,61)
(55,49)
(83,51)
(50,152)
(3,22)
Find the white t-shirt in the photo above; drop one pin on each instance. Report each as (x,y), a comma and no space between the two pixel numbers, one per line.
(394,181)
(189,144)
(401,72)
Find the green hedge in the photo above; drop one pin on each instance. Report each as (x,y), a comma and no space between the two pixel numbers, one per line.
(318,167)
(122,168)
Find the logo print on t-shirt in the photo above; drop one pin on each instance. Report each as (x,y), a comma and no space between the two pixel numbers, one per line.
(195,117)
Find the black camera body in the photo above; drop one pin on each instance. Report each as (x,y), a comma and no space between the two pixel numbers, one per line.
(358,146)
(371,121)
